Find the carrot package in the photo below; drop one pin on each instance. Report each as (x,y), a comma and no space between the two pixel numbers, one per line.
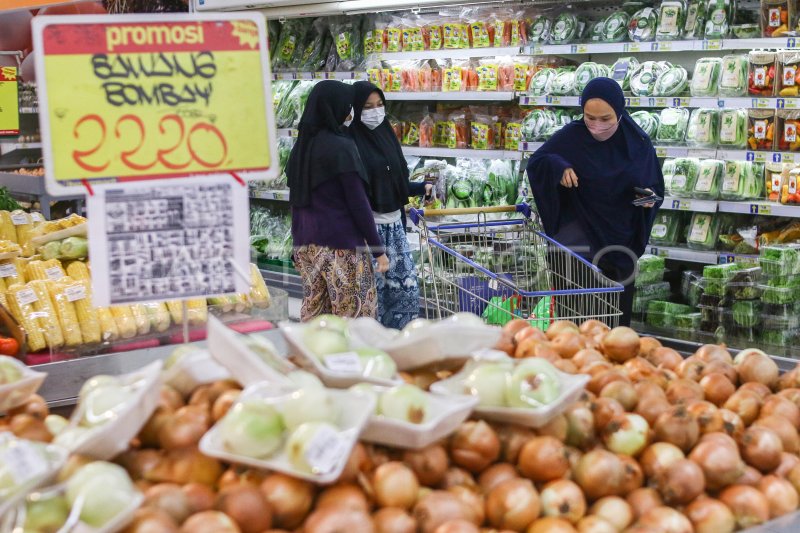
(788,124)
(788,74)
(523,72)
(412,40)
(482,133)
(761,76)
(760,129)
(375,75)
(393,76)
(410,132)
(410,77)
(444,132)
(513,134)
(488,72)
(455,35)
(394,35)
(775,17)
(425,77)
(426,132)
(432,33)
(459,119)
(478,28)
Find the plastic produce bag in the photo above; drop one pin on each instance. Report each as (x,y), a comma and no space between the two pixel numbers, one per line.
(672,125)
(482,134)
(455,35)
(667,228)
(720,17)
(760,129)
(788,74)
(564,83)
(622,69)
(761,74)
(478,28)
(502,182)
(703,127)
(291,43)
(542,81)
(774,176)
(687,170)
(536,124)
(671,20)
(703,231)
(596,31)
(733,76)
(346,32)
(733,128)
(523,73)
(790,194)
(488,71)
(585,73)
(643,79)
(643,25)
(539,30)
(705,80)
(709,179)
(673,82)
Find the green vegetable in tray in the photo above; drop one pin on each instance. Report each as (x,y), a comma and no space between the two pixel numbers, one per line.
(741,181)
(643,25)
(747,313)
(539,31)
(7,203)
(643,79)
(537,123)
(781,316)
(703,127)
(733,76)
(780,260)
(671,20)
(673,82)
(781,291)
(780,337)
(705,80)
(622,69)
(695,20)
(662,314)
(586,73)
(659,291)
(596,31)
(647,121)
(615,27)
(688,321)
(672,125)
(565,29)
(667,228)
(542,81)
(733,128)
(687,170)
(715,278)
(709,179)
(703,232)
(564,83)
(650,263)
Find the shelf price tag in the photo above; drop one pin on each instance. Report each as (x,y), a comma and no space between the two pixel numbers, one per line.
(660,252)
(661,151)
(726,258)
(9,101)
(162,97)
(716,44)
(660,46)
(760,209)
(762,103)
(553,100)
(661,102)
(632,47)
(685,205)
(787,157)
(281,197)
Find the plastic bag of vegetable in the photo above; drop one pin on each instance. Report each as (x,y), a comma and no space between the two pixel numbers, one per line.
(346,33)
(313,58)
(563,83)
(643,25)
(673,82)
(720,17)
(733,76)
(542,81)
(705,80)
(646,121)
(643,80)
(539,30)
(741,182)
(566,29)
(668,228)
(585,73)
(291,43)
(703,127)
(671,20)
(615,27)
(687,170)
(672,125)
(733,128)
(695,20)
(622,69)
(709,179)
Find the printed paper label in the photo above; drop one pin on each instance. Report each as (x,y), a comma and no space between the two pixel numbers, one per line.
(19,219)
(343,363)
(669,20)
(54,273)
(37,217)
(732,75)
(790,132)
(789,73)
(705,181)
(75,293)
(702,76)
(679,181)
(26,297)
(760,129)
(8,270)
(793,183)
(700,229)
(659,231)
(326,449)
(727,133)
(774,17)
(691,18)
(732,177)
(760,76)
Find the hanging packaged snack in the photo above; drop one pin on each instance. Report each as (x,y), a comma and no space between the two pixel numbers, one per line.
(478,27)
(482,133)
(694,26)
(703,231)
(790,195)
(741,182)
(705,80)
(643,25)
(760,129)
(684,177)
(733,76)
(775,17)
(774,176)
(672,125)
(671,20)
(564,82)
(720,15)
(412,39)
(646,121)
(523,73)
(393,76)
(410,77)
(788,74)
(379,34)
(643,79)
(673,82)
(565,29)
(459,118)
(761,76)
(539,31)
(733,128)
(615,27)
(703,127)
(788,123)
(394,35)
(709,180)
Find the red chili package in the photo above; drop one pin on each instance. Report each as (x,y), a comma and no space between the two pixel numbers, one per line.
(761,75)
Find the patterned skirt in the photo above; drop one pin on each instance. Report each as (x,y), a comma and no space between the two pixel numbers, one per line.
(398,293)
(339,282)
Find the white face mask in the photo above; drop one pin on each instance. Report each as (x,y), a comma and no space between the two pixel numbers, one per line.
(349,121)
(372,118)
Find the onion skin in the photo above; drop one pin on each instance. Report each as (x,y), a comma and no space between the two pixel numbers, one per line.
(632,475)
(393,520)
(151,520)
(717,388)
(563,499)
(651,407)
(623,392)
(778,405)
(586,356)
(496,474)
(513,504)
(580,427)
(642,500)
(567,344)
(201,497)
(794,478)
(395,485)
(458,526)
(333,520)
(790,439)
(513,437)
(209,522)
(475,446)
(290,499)
(170,499)
(714,352)
(343,496)
(719,458)
(781,495)
(667,520)
(756,366)
(603,410)
(746,404)
(677,426)
(647,345)
(620,344)
(788,462)
(733,424)
(543,459)
(437,508)
(761,448)
(515,326)
(600,473)
(708,417)
(474,503)
(557,427)
(559,326)
(751,477)
(358,462)
(613,510)
(600,380)
(551,524)
(247,507)
(664,357)
(429,464)
(684,391)
(749,506)
(681,482)
(458,477)
(224,403)
(626,434)
(709,515)
(595,524)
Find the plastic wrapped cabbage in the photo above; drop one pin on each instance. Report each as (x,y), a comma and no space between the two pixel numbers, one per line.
(647,121)
(741,181)
(622,69)
(643,80)
(673,82)
(615,27)
(671,20)
(733,128)
(565,29)
(672,125)
(542,81)
(684,177)
(733,76)
(709,179)
(703,127)
(643,25)
(539,31)
(703,231)
(564,83)
(586,73)
(705,80)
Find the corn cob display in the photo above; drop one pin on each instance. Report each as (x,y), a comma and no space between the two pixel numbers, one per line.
(158,313)
(23,311)
(7,247)
(259,293)
(46,314)
(87,315)
(17,276)
(66,313)
(126,324)
(24,231)
(110,332)
(79,271)
(7,230)
(141,319)
(197,311)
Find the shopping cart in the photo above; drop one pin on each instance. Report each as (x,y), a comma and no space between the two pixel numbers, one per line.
(507,268)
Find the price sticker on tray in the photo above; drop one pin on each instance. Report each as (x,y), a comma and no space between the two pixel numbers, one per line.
(326,449)
(8,270)
(344,363)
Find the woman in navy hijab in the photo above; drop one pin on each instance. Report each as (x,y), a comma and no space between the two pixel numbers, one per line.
(583,182)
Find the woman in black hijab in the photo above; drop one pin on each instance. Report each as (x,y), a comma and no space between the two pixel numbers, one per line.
(389,190)
(332,225)
(583,182)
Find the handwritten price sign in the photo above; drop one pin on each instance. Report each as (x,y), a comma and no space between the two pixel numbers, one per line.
(134,98)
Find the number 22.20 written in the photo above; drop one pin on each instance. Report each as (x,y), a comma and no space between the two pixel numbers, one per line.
(169,127)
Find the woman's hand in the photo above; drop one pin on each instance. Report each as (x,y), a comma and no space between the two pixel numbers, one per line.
(383,264)
(428,189)
(569,179)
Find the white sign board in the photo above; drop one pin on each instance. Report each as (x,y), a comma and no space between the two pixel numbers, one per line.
(169,240)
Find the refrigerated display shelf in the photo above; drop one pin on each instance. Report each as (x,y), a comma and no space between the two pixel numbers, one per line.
(704,45)
(462,96)
(688,204)
(698,256)
(307,76)
(456,53)
(671,101)
(466,153)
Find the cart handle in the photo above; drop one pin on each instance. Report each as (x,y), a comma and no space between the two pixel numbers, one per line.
(416,214)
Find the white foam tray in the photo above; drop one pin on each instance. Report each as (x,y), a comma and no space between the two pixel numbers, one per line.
(15,394)
(192,370)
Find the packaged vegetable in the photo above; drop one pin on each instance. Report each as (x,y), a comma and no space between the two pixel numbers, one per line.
(733,80)
(709,180)
(643,25)
(596,31)
(781,290)
(695,19)
(646,121)
(673,82)
(715,277)
(744,285)
(780,260)
(482,133)
(775,17)
(703,127)
(668,228)
(455,35)
(536,123)
(733,128)
(781,316)
(643,80)
(478,29)
(671,20)
(705,80)
(523,74)
(488,72)
(615,27)
(684,178)
(703,231)
(539,31)
(760,129)
(542,81)
(691,287)
(787,124)
(346,34)
(563,83)
(742,314)
(686,324)
(313,58)
(585,73)
(394,36)
(622,69)
(789,190)
(644,294)
(411,36)
(740,182)
(720,16)
(565,29)
(774,176)
(788,81)
(433,33)
(513,135)
(761,74)
(672,125)
(662,314)
(290,44)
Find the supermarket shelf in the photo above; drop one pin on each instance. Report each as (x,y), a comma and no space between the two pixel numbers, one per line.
(759,157)
(685,254)
(684,151)
(280,196)
(688,204)
(672,101)
(290,76)
(760,208)
(455,152)
(529,146)
(492,96)
(32,186)
(663,46)
(287,132)
(461,53)
(558,101)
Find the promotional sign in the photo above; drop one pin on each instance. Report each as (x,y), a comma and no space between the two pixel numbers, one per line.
(134,97)
(9,101)
(169,240)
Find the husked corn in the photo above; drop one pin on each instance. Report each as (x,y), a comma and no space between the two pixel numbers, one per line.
(107,324)
(141,319)
(158,313)
(66,313)
(24,231)
(259,293)
(7,230)
(24,313)
(46,314)
(88,318)
(126,324)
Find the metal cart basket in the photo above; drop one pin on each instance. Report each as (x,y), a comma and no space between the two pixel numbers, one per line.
(507,268)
